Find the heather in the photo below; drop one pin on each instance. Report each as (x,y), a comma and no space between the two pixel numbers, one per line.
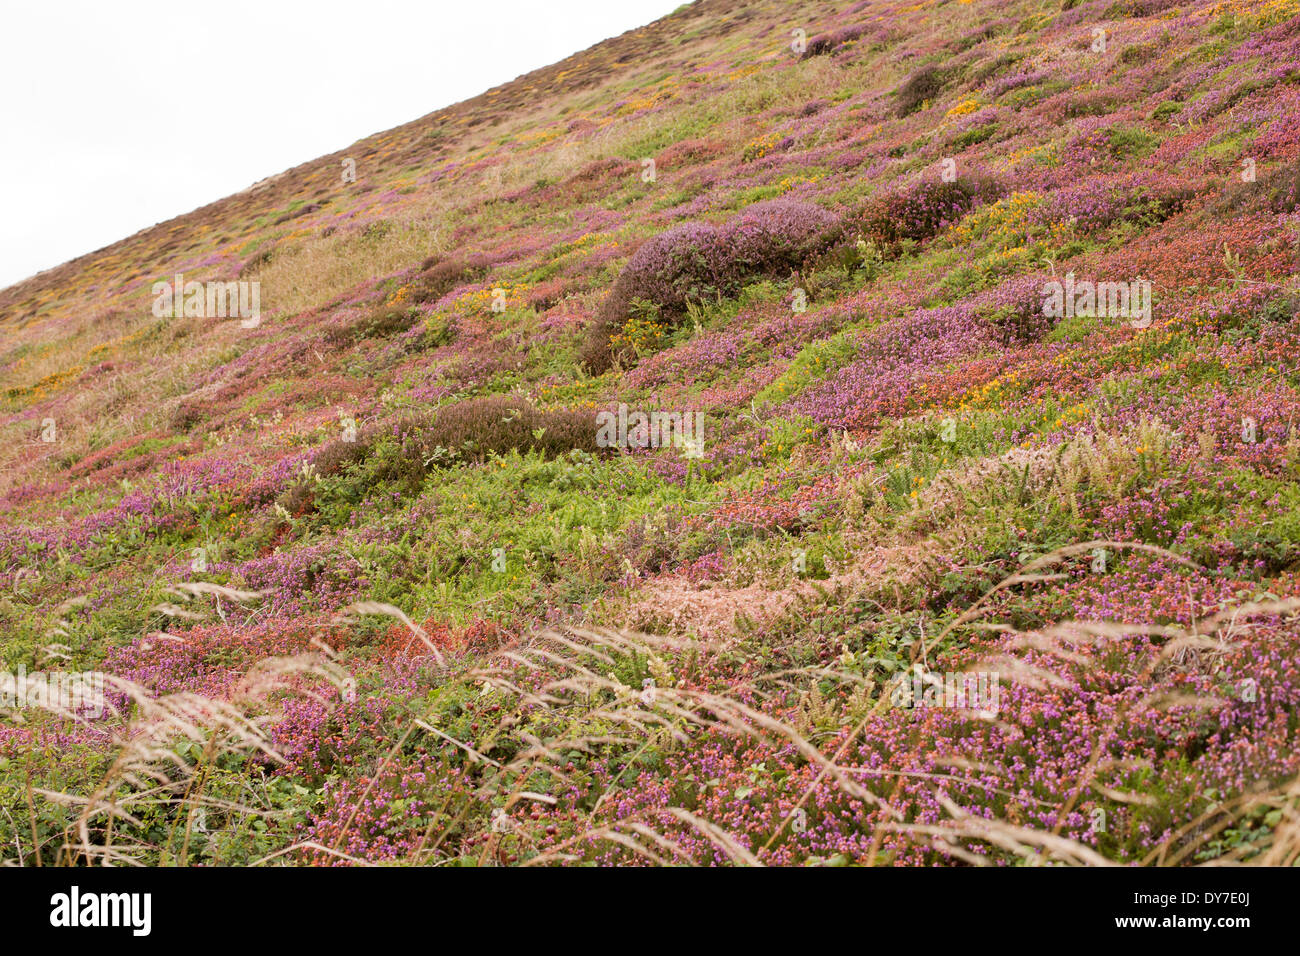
(368,589)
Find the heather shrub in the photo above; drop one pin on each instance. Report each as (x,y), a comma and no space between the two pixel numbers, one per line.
(501,423)
(337,454)
(983,71)
(407,450)
(1097,204)
(187,414)
(438,277)
(1276,190)
(383,321)
(923,210)
(1151,204)
(298,499)
(1070,105)
(332,459)
(594,354)
(1017,312)
(925,84)
(1017,81)
(302,210)
(827,43)
(819,45)
(779,235)
(683,264)
(1283,186)
(686,263)
(1138,53)
(695,262)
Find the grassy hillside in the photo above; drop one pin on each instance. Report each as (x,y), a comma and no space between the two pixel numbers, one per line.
(370,585)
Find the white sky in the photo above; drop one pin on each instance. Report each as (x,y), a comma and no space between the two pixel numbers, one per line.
(118,115)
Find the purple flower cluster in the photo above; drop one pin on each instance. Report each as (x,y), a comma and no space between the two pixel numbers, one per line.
(695,260)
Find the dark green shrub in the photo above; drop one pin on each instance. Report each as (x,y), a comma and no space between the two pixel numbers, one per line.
(972,136)
(438,276)
(925,84)
(473,430)
(1166,109)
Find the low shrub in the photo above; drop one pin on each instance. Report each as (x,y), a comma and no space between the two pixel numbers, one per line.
(436,278)
(1166,109)
(974,136)
(1283,185)
(779,235)
(925,84)
(384,321)
(187,414)
(1276,190)
(828,43)
(923,210)
(439,276)
(408,450)
(1017,311)
(255,262)
(475,429)
(684,264)
(698,261)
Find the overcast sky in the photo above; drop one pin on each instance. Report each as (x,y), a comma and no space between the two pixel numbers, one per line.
(116,116)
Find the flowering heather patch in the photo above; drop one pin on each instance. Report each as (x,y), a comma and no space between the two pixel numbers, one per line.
(685,263)
(370,588)
(781,234)
(212,660)
(891,361)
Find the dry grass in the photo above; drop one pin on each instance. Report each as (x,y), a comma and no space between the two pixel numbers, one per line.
(578,664)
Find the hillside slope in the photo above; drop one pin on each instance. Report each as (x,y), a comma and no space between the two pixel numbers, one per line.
(864,433)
